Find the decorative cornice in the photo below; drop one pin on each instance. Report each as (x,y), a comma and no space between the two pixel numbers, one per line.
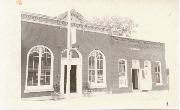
(43,19)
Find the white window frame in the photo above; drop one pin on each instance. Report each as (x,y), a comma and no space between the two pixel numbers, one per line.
(39,88)
(123,77)
(95,84)
(160,73)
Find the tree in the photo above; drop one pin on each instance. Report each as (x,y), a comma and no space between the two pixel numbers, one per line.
(122,26)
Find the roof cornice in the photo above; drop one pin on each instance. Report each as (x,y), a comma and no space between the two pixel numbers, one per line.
(43,19)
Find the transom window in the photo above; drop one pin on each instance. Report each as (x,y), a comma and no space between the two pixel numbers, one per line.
(96,69)
(39,69)
(122,70)
(73,53)
(158,72)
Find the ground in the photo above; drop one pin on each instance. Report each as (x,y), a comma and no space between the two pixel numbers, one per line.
(152,99)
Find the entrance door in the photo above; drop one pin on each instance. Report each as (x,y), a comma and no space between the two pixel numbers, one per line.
(145,77)
(65,78)
(73,88)
(135,78)
(74,80)
(146,81)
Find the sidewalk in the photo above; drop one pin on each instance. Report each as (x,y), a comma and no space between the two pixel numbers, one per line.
(152,99)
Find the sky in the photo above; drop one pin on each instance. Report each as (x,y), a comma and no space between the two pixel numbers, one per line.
(157,21)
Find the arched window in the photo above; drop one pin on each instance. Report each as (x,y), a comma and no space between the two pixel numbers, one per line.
(97,69)
(39,69)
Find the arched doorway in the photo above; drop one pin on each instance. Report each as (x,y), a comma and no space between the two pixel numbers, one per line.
(75,78)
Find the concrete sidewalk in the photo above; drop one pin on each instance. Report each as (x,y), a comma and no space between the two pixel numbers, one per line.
(152,99)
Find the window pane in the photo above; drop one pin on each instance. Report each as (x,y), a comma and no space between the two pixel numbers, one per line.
(91,62)
(46,61)
(99,72)
(47,80)
(45,77)
(99,55)
(33,63)
(32,78)
(101,64)
(158,78)
(45,68)
(99,76)
(98,64)
(122,67)
(100,79)
(42,80)
(33,60)
(30,63)
(92,75)
(158,68)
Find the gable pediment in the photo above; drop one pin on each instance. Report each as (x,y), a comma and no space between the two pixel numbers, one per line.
(75,17)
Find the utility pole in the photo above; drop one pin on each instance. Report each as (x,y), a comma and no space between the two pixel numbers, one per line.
(68,53)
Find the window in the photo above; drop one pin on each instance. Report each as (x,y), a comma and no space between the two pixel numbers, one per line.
(122,67)
(147,69)
(122,70)
(158,73)
(97,69)
(39,69)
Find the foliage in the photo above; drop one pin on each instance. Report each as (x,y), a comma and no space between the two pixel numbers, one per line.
(124,26)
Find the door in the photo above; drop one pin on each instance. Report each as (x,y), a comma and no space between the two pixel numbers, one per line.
(135,79)
(145,76)
(74,80)
(146,81)
(73,87)
(65,78)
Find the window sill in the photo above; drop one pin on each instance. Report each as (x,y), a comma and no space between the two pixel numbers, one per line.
(159,84)
(123,87)
(98,86)
(38,89)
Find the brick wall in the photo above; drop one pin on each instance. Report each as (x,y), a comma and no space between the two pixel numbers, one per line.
(37,34)
(113,48)
(121,48)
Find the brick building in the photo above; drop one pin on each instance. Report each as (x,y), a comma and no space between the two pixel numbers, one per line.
(101,60)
